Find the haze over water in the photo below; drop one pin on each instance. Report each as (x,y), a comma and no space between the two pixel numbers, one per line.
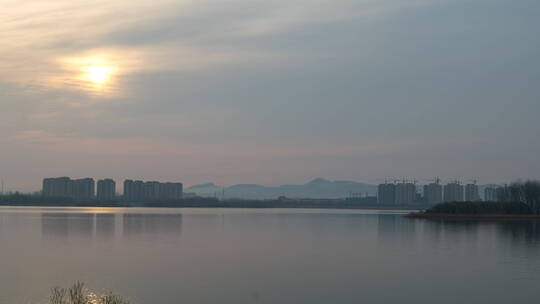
(266,256)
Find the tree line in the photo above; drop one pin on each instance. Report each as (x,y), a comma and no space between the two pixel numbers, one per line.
(526,192)
(517,198)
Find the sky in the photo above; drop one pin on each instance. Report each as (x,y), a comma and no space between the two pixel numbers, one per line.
(269,92)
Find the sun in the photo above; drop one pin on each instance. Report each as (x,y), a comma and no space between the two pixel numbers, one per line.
(98,74)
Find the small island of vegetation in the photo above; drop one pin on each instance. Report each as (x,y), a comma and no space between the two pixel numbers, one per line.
(519,200)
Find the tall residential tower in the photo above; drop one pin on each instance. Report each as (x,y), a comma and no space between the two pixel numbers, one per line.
(386,194)
(106,190)
(433,193)
(453,192)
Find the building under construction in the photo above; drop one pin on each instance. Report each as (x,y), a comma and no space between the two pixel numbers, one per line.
(397,193)
(433,193)
(453,192)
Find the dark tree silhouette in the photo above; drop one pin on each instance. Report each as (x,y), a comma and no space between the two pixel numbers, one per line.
(527,192)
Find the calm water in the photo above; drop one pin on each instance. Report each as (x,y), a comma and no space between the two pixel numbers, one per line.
(168,256)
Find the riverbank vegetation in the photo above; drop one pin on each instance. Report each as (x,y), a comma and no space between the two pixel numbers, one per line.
(527,193)
(77,294)
(517,200)
(506,208)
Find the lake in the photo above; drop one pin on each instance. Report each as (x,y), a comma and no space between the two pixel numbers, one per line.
(285,256)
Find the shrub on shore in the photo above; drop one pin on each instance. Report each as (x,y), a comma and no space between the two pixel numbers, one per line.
(77,294)
(512,208)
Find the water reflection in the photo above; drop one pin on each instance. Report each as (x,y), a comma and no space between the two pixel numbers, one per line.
(105,224)
(392,225)
(516,231)
(137,224)
(521,231)
(269,256)
(67,224)
(460,226)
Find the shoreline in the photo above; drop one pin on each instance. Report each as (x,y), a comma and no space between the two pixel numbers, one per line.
(450,216)
(226,204)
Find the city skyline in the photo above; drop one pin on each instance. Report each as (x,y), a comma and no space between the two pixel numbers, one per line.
(395,192)
(372,182)
(398,193)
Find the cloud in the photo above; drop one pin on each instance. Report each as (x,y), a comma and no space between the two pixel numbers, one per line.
(44,42)
(293,87)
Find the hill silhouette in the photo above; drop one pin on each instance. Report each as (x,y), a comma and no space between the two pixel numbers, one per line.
(316,188)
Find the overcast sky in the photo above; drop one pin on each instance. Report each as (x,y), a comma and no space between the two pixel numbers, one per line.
(269,92)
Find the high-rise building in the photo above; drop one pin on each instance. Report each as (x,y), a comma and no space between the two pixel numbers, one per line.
(106,190)
(453,192)
(151,191)
(84,189)
(128,190)
(133,190)
(405,193)
(57,187)
(80,189)
(139,191)
(490,194)
(171,191)
(433,193)
(471,193)
(386,194)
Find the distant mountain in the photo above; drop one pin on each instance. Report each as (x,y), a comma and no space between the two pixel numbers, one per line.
(204,186)
(317,188)
(206,190)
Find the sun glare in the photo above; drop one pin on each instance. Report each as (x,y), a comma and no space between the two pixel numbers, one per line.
(98,74)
